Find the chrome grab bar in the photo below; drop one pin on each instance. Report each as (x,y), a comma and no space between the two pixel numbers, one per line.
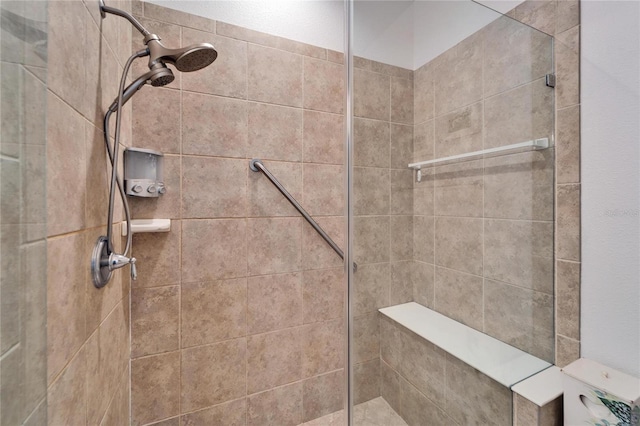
(257,166)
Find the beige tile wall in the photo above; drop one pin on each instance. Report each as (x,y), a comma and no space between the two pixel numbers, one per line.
(237,315)
(561,19)
(426,385)
(23,363)
(87,329)
(383,208)
(299,135)
(483,229)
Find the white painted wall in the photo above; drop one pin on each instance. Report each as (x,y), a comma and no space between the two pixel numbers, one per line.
(317,22)
(405,33)
(610,90)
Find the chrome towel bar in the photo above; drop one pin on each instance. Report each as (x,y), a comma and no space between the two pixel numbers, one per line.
(257,166)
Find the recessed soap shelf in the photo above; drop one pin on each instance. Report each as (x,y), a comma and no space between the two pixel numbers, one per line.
(147,225)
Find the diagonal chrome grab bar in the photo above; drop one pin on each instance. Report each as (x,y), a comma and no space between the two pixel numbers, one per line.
(257,166)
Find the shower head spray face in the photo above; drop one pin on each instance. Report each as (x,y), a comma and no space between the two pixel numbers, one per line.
(186,59)
(160,75)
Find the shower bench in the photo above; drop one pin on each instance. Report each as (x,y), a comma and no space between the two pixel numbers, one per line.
(436,370)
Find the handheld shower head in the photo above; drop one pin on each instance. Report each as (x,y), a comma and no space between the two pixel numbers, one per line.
(186,59)
(157,77)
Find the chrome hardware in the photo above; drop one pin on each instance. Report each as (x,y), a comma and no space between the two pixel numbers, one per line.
(550,80)
(257,166)
(104,263)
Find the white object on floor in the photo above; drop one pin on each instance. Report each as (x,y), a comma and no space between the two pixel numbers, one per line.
(502,362)
(541,388)
(147,225)
(594,392)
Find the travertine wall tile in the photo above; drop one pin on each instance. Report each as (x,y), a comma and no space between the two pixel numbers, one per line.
(459,131)
(156,119)
(568,145)
(515,54)
(232,413)
(371,142)
(456,75)
(401,284)
(520,317)
(371,239)
(316,253)
(155,318)
(213,311)
(473,397)
(366,340)
(401,100)
(217,198)
(531,243)
(459,296)
(568,15)
(268,40)
(66,330)
(273,359)
(458,244)
(519,115)
(224,133)
(282,406)
(264,199)
(177,17)
(88,328)
(275,132)
(323,137)
(323,294)
(274,76)
(107,357)
(274,245)
(202,261)
(402,200)
(366,381)
(568,299)
(225,77)
(67,396)
(372,92)
(458,189)
(323,86)
(322,347)
(257,287)
(155,388)
(65,204)
(568,222)
(519,186)
(274,302)
(416,409)
(224,379)
(322,395)
(371,191)
(567,350)
(401,145)
(371,290)
(539,14)
(323,189)
(567,56)
(157,255)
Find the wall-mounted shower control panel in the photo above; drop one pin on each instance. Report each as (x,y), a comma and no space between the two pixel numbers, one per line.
(143,172)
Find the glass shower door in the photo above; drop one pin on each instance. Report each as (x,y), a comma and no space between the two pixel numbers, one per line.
(453,211)
(23,285)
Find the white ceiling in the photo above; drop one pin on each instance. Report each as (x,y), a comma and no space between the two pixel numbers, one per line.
(397,32)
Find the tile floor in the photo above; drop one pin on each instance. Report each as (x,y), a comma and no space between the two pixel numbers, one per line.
(376,412)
